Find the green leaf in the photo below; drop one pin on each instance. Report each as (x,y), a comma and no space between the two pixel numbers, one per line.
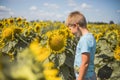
(9,46)
(61,59)
(69,60)
(65,72)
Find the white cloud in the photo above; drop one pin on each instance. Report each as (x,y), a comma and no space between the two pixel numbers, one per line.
(97,10)
(118,11)
(45,15)
(33,8)
(53,6)
(67,12)
(85,6)
(5,12)
(45,4)
(4,9)
(11,13)
(77,6)
(71,3)
(59,15)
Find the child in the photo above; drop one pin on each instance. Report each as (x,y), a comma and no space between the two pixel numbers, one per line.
(86,47)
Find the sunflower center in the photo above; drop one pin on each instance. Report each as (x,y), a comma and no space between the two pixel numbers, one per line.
(56,42)
(7,33)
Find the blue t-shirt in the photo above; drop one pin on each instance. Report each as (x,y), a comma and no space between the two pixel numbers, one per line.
(87,44)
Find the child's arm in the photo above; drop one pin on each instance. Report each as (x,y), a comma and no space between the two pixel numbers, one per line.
(84,65)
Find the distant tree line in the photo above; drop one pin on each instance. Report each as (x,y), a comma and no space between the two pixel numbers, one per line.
(111,22)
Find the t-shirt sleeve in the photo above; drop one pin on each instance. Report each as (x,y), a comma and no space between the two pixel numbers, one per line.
(85,46)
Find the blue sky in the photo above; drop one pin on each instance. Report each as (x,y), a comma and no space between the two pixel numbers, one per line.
(94,10)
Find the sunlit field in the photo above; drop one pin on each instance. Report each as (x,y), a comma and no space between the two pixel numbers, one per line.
(45,50)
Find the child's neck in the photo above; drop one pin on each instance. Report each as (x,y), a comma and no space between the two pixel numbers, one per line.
(84,31)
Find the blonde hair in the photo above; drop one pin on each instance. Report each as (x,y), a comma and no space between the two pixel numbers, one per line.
(76,18)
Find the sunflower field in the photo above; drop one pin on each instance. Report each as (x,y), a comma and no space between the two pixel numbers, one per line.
(45,50)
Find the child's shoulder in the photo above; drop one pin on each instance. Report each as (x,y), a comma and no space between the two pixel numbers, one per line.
(87,36)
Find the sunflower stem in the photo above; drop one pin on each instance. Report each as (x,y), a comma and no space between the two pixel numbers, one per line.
(22,39)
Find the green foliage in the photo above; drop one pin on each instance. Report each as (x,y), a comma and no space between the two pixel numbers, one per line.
(14,60)
(23,68)
(106,65)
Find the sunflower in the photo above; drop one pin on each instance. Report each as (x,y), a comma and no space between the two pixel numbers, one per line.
(48,65)
(97,36)
(19,20)
(7,33)
(117,53)
(117,34)
(37,28)
(27,31)
(1,24)
(2,44)
(41,53)
(18,30)
(10,31)
(11,55)
(49,72)
(57,42)
(10,21)
(44,53)
(69,33)
(66,31)
(112,35)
